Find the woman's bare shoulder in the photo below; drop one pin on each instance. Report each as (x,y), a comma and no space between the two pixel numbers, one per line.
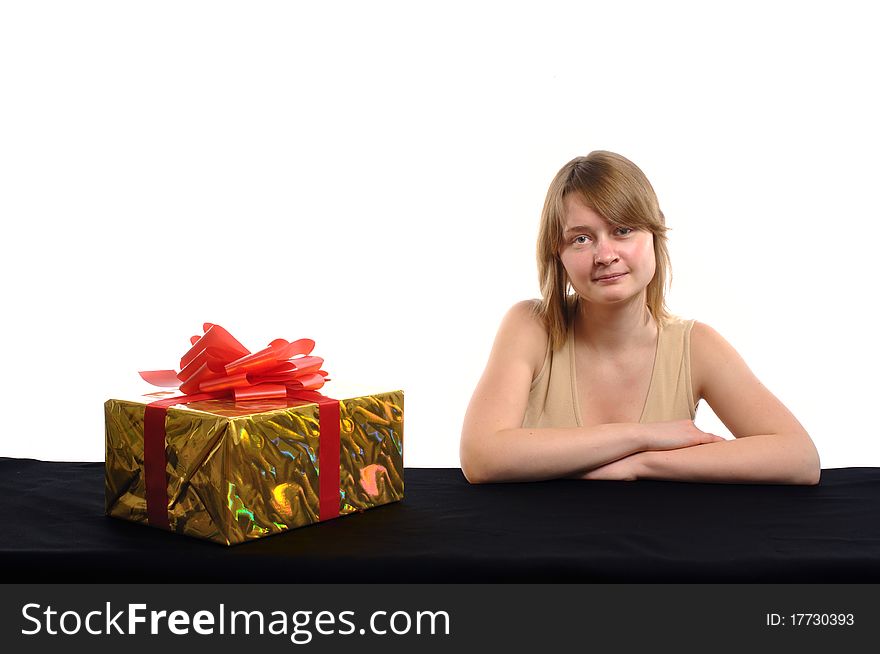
(528,332)
(527,315)
(705,339)
(710,351)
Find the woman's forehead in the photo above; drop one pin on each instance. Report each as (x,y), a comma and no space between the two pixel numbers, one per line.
(578,214)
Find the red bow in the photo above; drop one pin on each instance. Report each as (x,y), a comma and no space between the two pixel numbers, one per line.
(218,364)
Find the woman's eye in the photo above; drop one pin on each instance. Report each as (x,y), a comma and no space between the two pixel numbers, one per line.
(625,231)
(579,237)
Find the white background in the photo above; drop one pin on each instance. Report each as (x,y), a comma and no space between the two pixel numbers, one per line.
(371,175)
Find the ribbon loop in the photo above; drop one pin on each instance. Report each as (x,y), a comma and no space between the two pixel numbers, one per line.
(218,363)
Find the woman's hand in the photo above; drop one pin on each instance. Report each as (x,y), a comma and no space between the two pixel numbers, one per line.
(626,469)
(675,434)
(669,435)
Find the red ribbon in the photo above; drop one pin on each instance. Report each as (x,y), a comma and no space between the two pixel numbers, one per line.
(218,366)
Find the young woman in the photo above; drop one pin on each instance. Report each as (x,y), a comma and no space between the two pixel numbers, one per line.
(598,381)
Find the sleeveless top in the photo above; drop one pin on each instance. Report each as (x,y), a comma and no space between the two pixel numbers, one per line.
(553,397)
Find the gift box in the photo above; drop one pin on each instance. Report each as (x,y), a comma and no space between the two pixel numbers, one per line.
(231,456)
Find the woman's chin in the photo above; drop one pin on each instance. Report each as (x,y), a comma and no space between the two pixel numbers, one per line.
(609,298)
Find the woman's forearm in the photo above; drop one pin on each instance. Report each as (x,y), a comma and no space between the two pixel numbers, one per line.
(536,454)
(762,459)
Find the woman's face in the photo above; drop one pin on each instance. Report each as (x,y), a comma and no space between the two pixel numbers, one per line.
(593,249)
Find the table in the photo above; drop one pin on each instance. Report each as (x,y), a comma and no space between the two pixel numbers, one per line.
(446,530)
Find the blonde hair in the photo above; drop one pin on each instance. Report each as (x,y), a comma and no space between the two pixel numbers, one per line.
(616,189)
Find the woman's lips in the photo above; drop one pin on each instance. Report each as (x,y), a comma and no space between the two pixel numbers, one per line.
(610,279)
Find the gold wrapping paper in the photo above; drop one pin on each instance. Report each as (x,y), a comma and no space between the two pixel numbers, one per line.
(239,471)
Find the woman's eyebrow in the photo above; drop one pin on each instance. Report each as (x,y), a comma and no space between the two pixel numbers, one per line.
(578,228)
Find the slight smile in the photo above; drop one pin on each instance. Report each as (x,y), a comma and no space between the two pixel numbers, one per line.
(610,279)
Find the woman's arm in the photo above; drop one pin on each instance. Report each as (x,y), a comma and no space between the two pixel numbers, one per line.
(538,454)
(785,458)
(771,446)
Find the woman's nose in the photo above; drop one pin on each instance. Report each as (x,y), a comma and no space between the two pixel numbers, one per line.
(605,253)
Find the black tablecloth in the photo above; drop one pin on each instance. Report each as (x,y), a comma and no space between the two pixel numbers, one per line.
(446,530)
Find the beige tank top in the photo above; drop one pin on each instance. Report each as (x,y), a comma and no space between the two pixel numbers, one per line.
(553,400)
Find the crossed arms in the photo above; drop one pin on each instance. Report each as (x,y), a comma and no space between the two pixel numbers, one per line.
(770,445)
